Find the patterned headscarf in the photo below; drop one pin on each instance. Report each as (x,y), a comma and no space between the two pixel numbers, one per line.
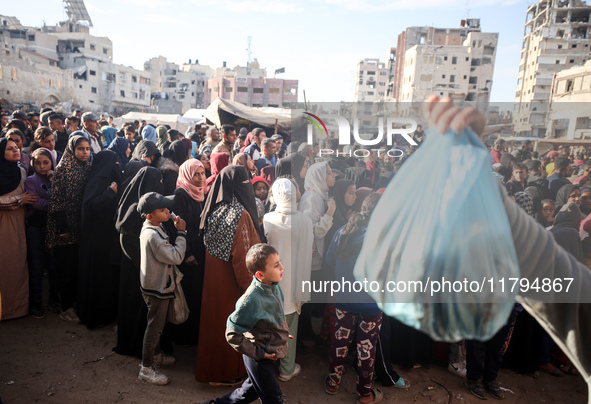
(67,189)
(525,201)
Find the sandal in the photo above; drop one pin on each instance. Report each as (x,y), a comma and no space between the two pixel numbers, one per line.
(569,370)
(378,396)
(551,370)
(402,383)
(327,388)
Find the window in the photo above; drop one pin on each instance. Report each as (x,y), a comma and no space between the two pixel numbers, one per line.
(558,62)
(93,73)
(465,77)
(122,92)
(32,39)
(181,97)
(92,47)
(92,89)
(383,73)
(80,86)
(42,81)
(134,79)
(274,105)
(370,93)
(91,101)
(452,78)
(371,73)
(242,89)
(13,73)
(382,83)
(134,95)
(574,45)
(193,94)
(257,90)
(454,60)
(273,91)
(559,46)
(381,93)
(467,58)
(105,51)
(229,89)
(572,61)
(59,84)
(443,76)
(473,80)
(289,91)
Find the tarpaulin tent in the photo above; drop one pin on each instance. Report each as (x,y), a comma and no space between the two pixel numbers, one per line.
(175,121)
(223,111)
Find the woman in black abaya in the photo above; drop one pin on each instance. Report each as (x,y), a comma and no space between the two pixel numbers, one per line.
(97,278)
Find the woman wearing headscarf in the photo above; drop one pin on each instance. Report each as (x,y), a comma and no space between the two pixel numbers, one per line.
(293,148)
(149,133)
(162,142)
(296,165)
(568,193)
(63,221)
(189,199)
(98,279)
(218,162)
(344,197)
(268,173)
(204,159)
(14,277)
(230,229)
(109,134)
(131,315)
(148,152)
(120,146)
(290,232)
(177,152)
(360,196)
(244,159)
(585,201)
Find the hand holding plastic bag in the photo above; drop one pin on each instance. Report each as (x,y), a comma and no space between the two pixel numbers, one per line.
(442,219)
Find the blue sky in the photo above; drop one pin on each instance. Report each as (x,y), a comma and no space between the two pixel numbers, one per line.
(317,41)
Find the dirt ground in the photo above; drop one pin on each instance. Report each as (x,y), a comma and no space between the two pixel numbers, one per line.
(50,361)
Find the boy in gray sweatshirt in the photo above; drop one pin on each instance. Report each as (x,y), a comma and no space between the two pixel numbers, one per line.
(157,257)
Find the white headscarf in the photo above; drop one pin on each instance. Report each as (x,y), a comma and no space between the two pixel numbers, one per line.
(284,195)
(316,179)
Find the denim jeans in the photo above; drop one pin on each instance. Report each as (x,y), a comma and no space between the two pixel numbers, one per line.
(39,260)
(260,383)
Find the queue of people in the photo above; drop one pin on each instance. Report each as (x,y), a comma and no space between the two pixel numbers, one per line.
(91,209)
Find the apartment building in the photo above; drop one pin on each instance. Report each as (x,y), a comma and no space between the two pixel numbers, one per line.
(556,37)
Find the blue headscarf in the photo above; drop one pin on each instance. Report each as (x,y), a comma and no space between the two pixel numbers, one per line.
(119,145)
(149,133)
(109,133)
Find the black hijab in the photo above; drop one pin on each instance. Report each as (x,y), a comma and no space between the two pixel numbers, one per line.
(563,194)
(232,181)
(293,148)
(105,170)
(566,229)
(128,219)
(129,171)
(177,152)
(145,147)
(10,173)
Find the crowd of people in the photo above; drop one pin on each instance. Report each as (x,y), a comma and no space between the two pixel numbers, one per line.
(75,206)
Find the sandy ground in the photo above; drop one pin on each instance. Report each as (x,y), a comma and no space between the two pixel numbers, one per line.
(50,361)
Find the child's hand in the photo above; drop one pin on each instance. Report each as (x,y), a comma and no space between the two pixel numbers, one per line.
(180,224)
(49,174)
(190,260)
(113,186)
(29,198)
(270,356)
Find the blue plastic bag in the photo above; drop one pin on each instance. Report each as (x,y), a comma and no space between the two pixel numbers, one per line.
(442,219)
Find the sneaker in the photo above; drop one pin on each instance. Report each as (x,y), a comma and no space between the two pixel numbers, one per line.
(37,311)
(476,388)
(458,369)
(164,359)
(55,306)
(494,389)
(286,378)
(151,375)
(70,316)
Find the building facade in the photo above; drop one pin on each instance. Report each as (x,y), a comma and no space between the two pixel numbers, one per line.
(455,62)
(556,37)
(372,81)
